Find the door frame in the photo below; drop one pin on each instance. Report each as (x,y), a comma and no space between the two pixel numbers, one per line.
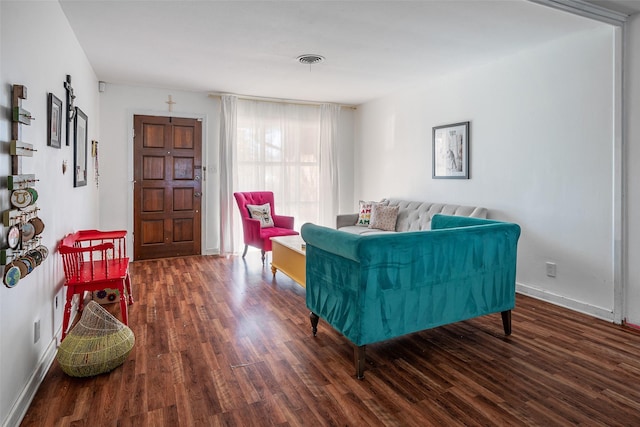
(205,186)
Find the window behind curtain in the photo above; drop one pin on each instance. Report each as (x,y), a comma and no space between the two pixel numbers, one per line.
(278,149)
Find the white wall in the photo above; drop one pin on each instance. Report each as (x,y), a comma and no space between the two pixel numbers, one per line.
(541,155)
(346,160)
(632,128)
(38,50)
(118,105)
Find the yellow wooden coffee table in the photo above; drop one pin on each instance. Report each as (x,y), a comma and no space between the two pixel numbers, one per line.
(288,255)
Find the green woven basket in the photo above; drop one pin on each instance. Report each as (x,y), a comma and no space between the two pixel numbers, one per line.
(99,343)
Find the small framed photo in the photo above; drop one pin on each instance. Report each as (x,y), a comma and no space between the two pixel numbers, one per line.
(54,121)
(451,151)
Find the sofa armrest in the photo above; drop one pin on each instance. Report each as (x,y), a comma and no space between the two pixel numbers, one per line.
(345,220)
(335,242)
(283,221)
(440,221)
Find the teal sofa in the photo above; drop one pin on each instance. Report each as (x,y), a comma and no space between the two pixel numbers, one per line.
(376,287)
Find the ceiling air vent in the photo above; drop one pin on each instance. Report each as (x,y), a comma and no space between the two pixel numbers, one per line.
(310,59)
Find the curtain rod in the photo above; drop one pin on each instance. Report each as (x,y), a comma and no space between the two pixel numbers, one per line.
(277,100)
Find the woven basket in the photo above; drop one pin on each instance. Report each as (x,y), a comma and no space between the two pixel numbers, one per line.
(99,343)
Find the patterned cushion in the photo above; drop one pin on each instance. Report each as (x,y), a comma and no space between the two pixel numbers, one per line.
(384,217)
(364,213)
(263,213)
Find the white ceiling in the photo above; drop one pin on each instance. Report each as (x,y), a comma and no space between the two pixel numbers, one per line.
(372,48)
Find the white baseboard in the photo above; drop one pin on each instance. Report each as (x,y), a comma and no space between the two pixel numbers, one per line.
(19,409)
(541,294)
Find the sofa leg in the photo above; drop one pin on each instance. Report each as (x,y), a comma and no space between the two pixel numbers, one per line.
(314,322)
(263,255)
(358,353)
(245,251)
(506,322)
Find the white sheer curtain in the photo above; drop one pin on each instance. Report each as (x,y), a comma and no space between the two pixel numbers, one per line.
(329,189)
(278,150)
(289,149)
(228,135)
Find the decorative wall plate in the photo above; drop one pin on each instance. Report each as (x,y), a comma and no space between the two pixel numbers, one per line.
(38,225)
(21,198)
(13,237)
(44,251)
(29,262)
(11,275)
(24,270)
(34,194)
(28,231)
(36,255)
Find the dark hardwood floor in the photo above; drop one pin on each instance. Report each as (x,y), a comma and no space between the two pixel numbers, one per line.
(219,342)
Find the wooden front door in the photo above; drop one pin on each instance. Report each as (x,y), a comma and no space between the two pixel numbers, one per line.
(167,186)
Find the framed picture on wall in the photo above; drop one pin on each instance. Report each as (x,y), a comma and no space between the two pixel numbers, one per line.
(54,121)
(80,149)
(451,151)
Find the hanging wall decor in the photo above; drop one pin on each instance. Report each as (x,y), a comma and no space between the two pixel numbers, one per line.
(94,155)
(54,121)
(24,250)
(451,151)
(70,108)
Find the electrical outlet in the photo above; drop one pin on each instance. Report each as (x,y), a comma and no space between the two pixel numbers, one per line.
(551,269)
(36,331)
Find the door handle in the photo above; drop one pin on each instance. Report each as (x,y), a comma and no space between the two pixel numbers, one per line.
(197,194)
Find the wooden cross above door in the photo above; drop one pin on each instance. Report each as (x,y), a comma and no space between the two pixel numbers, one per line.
(170,102)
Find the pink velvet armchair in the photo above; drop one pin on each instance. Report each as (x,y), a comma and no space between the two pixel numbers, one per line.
(254,234)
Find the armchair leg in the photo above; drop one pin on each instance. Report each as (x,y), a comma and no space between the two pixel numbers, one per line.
(245,251)
(263,255)
(506,322)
